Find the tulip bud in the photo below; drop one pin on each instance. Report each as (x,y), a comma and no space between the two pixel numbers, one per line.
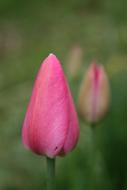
(74,61)
(51,126)
(94,94)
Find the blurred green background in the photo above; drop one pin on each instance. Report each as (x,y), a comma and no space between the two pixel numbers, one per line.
(29,31)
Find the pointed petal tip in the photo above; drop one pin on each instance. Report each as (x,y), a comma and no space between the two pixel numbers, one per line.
(52,56)
(96,70)
(51,59)
(94,65)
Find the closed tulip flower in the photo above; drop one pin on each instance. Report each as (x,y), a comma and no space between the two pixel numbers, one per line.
(75,61)
(94,96)
(51,126)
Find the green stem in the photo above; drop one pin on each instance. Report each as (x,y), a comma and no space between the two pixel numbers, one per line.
(50,173)
(93,156)
(94,145)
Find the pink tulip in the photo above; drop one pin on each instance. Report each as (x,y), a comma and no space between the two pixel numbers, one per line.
(94,94)
(51,126)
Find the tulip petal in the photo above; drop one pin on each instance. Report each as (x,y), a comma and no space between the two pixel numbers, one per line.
(73,130)
(47,119)
(94,94)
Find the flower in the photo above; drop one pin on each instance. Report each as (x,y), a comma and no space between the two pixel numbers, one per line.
(51,126)
(94,95)
(75,61)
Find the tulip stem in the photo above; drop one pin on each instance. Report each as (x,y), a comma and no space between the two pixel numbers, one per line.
(93,157)
(93,128)
(50,173)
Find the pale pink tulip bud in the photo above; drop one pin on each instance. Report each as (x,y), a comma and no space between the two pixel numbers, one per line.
(94,96)
(51,126)
(75,61)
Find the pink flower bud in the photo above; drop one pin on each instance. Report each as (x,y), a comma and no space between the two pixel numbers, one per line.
(94,94)
(51,126)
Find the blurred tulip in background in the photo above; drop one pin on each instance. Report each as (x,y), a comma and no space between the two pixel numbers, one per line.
(94,95)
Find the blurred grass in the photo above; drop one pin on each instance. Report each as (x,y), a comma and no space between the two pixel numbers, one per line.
(29,31)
